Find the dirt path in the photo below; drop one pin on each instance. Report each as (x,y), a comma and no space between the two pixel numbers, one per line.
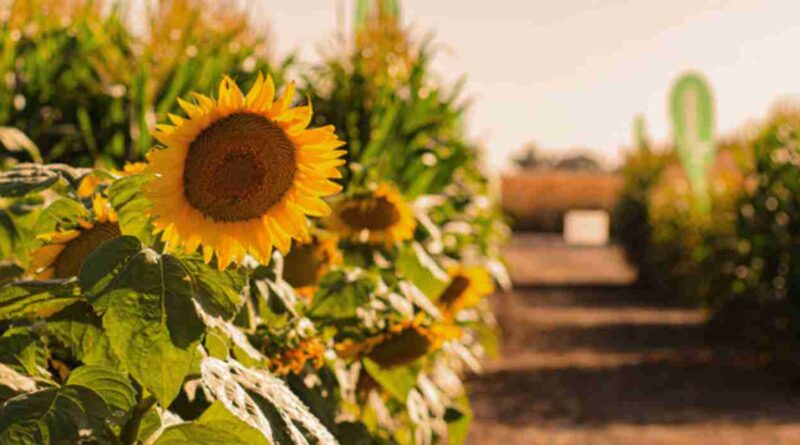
(602,366)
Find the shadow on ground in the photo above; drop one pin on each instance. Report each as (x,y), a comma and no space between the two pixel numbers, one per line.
(594,357)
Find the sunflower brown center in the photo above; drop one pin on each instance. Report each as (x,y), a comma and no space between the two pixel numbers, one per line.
(371,213)
(68,262)
(400,349)
(454,290)
(238,167)
(301,265)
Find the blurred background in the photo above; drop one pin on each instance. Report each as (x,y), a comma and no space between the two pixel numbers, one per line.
(646,154)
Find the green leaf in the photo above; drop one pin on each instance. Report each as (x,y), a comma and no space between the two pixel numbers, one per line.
(138,330)
(219,292)
(112,386)
(125,195)
(79,328)
(339,298)
(216,426)
(26,178)
(398,380)
(30,299)
(19,350)
(60,212)
(149,305)
(103,265)
(91,398)
(458,421)
(410,266)
(151,422)
(9,271)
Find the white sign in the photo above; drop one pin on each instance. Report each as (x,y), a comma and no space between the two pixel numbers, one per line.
(586,227)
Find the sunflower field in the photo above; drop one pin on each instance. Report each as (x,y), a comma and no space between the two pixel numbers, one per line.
(198,250)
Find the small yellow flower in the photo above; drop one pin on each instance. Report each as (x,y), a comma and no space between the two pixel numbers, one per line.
(379,217)
(467,286)
(65,251)
(241,173)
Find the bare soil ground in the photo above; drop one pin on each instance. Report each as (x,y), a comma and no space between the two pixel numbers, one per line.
(597,365)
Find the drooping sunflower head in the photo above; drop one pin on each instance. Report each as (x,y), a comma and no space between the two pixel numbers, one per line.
(309,260)
(378,217)
(402,343)
(64,252)
(468,284)
(240,174)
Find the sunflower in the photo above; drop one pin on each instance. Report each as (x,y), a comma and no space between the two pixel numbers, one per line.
(241,173)
(467,286)
(65,251)
(402,343)
(376,217)
(309,260)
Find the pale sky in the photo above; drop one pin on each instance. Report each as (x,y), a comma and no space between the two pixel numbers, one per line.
(575,72)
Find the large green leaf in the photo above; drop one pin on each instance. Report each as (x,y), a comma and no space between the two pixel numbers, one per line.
(216,426)
(158,357)
(105,264)
(112,386)
(339,297)
(219,292)
(150,317)
(30,299)
(79,328)
(126,197)
(92,397)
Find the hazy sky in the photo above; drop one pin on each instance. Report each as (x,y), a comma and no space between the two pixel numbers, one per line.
(575,72)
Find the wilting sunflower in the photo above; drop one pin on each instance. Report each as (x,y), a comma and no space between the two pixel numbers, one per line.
(376,217)
(241,173)
(309,260)
(402,343)
(65,251)
(467,286)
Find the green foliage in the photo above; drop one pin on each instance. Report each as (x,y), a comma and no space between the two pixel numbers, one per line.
(150,344)
(216,426)
(87,89)
(90,398)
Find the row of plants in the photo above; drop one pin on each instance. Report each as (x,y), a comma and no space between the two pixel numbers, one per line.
(732,248)
(269,271)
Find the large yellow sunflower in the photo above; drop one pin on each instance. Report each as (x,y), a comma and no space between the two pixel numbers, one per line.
(241,173)
(309,260)
(65,250)
(376,217)
(467,286)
